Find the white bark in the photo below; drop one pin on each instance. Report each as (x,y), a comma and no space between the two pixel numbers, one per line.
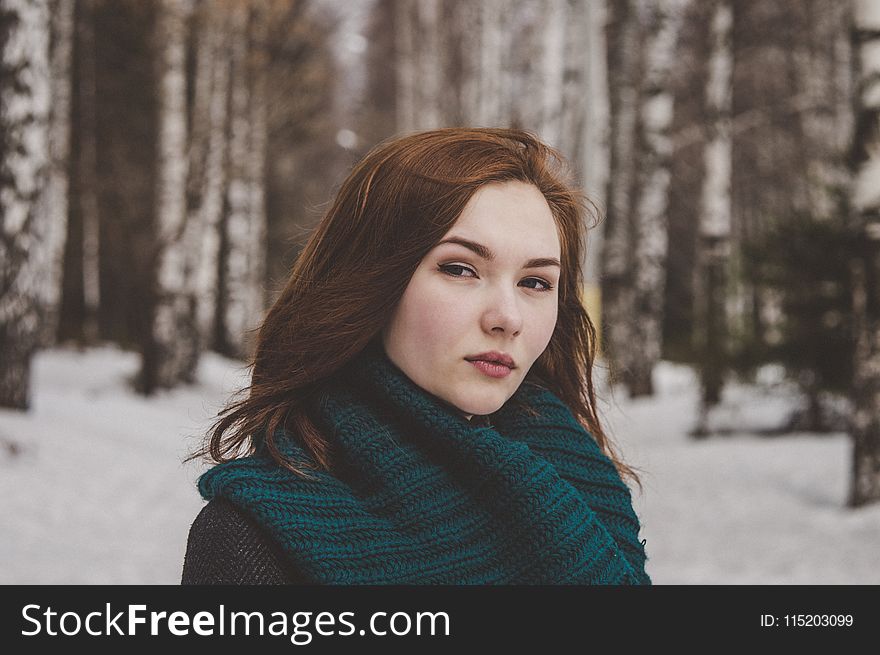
(662,19)
(554,67)
(866,194)
(824,69)
(56,191)
(172,305)
(623,144)
(245,220)
(24,229)
(207,144)
(491,89)
(574,78)
(715,198)
(205,236)
(713,246)
(256,299)
(595,161)
(419,57)
(525,66)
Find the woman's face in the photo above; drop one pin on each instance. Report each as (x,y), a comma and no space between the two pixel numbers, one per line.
(494,291)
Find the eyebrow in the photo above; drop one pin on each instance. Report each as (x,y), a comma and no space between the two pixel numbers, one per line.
(486,253)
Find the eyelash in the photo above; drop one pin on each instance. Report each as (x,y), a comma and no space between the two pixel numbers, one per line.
(444,268)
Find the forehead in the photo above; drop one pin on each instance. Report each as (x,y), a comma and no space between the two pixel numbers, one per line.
(510,217)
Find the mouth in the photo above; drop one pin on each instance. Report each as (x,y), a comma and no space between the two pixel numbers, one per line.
(494,364)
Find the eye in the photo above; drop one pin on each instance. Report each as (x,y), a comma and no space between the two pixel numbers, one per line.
(456,270)
(547,285)
(448,268)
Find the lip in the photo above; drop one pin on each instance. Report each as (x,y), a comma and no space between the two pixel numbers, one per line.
(492,369)
(493,363)
(493,357)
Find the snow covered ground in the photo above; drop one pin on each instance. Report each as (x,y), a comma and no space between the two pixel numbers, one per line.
(92,488)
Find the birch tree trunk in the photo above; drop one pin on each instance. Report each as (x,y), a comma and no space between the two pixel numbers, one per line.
(624,57)
(205,176)
(242,260)
(661,20)
(491,89)
(207,190)
(527,67)
(713,250)
(419,64)
(553,77)
(583,122)
(824,71)
(55,196)
(865,431)
(574,82)
(256,297)
(594,157)
(24,229)
(164,357)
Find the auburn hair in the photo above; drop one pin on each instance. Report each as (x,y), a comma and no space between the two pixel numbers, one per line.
(393,208)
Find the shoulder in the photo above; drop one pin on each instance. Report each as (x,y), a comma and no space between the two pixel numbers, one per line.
(226,546)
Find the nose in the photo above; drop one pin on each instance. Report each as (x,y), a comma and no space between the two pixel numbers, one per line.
(502,313)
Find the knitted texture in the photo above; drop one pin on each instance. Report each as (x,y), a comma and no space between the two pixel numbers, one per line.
(420,495)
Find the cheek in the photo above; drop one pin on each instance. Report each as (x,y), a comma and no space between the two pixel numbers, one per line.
(431,316)
(545,324)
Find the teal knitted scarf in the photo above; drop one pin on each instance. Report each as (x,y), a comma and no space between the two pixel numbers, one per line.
(421,495)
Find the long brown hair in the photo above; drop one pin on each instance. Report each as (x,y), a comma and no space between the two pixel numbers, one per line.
(393,208)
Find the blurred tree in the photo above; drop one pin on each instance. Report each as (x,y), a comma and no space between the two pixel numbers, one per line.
(865,485)
(586,43)
(807,262)
(713,245)
(375,113)
(688,83)
(556,69)
(419,64)
(790,195)
(206,179)
(25,227)
(124,121)
(241,276)
(164,356)
(254,88)
(490,108)
(81,287)
(508,64)
(304,156)
(55,195)
(792,122)
(625,62)
(660,22)
(789,125)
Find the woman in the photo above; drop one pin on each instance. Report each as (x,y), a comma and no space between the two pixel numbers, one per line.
(421,409)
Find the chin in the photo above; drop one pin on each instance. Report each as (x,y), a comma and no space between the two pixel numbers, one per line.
(482,406)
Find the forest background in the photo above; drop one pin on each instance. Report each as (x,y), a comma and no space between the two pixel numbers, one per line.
(163,162)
